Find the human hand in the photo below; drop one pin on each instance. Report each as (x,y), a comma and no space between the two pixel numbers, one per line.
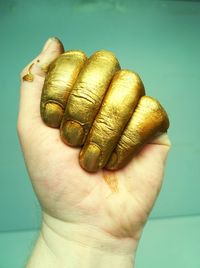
(101,108)
(103,208)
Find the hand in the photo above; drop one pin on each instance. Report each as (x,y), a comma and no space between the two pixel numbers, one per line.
(100,107)
(107,204)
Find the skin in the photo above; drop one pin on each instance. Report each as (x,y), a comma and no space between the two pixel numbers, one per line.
(100,107)
(70,195)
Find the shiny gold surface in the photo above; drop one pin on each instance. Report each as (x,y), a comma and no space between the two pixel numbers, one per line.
(29,76)
(118,106)
(100,108)
(85,99)
(61,76)
(148,119)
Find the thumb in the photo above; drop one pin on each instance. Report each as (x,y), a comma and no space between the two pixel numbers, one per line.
(32,80)
(155,153)
(163,146)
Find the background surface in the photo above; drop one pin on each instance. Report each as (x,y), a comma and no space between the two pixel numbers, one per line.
(160,40)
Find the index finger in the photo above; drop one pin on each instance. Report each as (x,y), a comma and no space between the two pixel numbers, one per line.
(59,81)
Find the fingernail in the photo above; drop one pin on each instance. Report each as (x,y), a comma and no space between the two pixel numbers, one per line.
(90,158)
(112,163)
(73,133)
(49,42)
(53,114)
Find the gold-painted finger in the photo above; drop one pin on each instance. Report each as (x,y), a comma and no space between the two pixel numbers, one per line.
(148,120)
(85,99)
(117,108)
(58,84)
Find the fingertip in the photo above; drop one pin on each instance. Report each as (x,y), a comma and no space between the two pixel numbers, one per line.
(53,42)
(52,48)
(32,79)
(162,139)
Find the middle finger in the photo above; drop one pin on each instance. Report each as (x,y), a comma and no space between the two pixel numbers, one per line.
(86,96)
(118,106)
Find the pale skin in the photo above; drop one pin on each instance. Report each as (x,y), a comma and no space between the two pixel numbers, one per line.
(84,222)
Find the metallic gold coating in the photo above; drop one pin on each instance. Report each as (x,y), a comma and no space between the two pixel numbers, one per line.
(100,107)
(61,76)
(29,76)
(45,68)
(85,99)
(148,119)
(112,181)
(118,106)
(53,114)
(91,157)
(74,131)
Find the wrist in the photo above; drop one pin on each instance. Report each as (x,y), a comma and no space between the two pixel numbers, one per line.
(74,245)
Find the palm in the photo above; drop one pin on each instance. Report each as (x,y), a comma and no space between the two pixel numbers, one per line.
(68,193)
(65,190)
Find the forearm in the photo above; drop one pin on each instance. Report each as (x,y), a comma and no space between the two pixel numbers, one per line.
(79,248)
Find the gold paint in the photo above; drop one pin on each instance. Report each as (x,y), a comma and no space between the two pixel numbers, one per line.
(29,76)
(111,180)
(101,108)
(148,119)
(53,114)
(61,76)
(73,131)
(112,160)
(85,99)
(89,159)
(118,106)
(45,68)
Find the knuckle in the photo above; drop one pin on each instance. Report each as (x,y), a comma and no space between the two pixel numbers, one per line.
(26,69)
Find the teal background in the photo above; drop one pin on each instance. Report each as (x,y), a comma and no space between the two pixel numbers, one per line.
(158,39)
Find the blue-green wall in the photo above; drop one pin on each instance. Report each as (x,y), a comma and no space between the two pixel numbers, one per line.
(158,39)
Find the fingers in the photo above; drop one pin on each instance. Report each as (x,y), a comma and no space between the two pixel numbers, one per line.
(148,119)
(61,77)
(86,96)
(32,80)
(118,105)
(97,105)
